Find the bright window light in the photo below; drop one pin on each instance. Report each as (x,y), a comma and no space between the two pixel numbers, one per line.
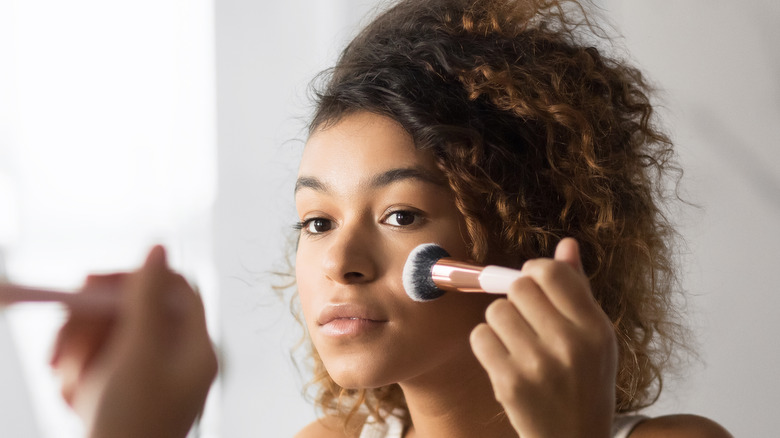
(107,146)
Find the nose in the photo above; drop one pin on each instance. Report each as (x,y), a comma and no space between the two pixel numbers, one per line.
(350,259)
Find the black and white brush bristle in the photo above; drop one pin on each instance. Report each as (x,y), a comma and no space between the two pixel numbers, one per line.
(417,279)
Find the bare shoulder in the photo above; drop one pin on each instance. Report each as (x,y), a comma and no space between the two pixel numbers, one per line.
(330,427)
(680,426)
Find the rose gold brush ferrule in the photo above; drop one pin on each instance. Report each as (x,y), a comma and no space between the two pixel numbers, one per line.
(454,275)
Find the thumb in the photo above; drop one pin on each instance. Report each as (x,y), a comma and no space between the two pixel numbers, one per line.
(147,291)
(568,251)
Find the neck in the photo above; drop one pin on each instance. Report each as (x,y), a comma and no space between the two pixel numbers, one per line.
(457,402)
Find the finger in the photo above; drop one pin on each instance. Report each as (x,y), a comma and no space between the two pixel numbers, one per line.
(568,251)
(69,373)
(104,283)
(502,370)
(83,333)
(146,302)
(488,348)
(80,343)
(80,338)
(538,312)
(162,305)
(509,322)
(565,287)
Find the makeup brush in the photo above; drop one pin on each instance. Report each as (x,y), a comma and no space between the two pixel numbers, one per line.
(77,301)
(429,272)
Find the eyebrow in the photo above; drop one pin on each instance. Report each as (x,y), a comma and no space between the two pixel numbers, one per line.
(310,183)
(377,181)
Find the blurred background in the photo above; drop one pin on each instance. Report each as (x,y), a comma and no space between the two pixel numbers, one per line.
(125,124)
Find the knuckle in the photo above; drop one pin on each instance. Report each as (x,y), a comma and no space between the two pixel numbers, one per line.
(572,354)
(561,342)
(517,289)
(507,387)
(536,368)
(584,347)
(600,330)
(530,265)
(552,271)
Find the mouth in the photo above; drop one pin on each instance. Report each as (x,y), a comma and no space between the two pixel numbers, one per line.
(349,319)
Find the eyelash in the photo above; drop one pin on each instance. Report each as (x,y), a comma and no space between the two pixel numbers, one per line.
(418,217)
(302,226)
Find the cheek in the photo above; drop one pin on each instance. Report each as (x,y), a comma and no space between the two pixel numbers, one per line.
(305,279)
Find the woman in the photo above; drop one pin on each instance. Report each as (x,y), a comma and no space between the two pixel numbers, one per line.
(505,131)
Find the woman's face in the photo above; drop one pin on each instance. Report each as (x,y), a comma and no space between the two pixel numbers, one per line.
(365,198)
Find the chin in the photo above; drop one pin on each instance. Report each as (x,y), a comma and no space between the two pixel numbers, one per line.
(357,374)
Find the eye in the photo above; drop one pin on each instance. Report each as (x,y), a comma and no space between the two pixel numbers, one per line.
(402,218)
(315,225)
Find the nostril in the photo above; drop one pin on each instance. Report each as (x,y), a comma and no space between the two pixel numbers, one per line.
(353,276)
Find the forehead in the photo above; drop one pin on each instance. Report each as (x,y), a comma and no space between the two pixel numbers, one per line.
(362,144)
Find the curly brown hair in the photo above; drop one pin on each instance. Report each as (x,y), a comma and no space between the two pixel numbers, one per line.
(540,135)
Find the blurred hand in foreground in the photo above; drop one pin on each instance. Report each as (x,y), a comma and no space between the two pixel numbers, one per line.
(146,369)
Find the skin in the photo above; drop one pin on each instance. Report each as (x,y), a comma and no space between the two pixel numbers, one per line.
(545,355)
(145,371)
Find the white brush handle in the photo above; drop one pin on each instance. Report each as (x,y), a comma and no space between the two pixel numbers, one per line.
(496,279)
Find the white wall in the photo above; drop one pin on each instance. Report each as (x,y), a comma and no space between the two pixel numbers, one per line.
(15,405)
(267,52)
(107,146)
(16,411)
(719,64)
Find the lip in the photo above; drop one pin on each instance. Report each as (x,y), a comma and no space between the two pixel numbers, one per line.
(349,319)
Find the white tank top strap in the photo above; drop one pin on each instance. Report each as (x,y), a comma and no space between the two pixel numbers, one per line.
(392,427)
(624,424)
